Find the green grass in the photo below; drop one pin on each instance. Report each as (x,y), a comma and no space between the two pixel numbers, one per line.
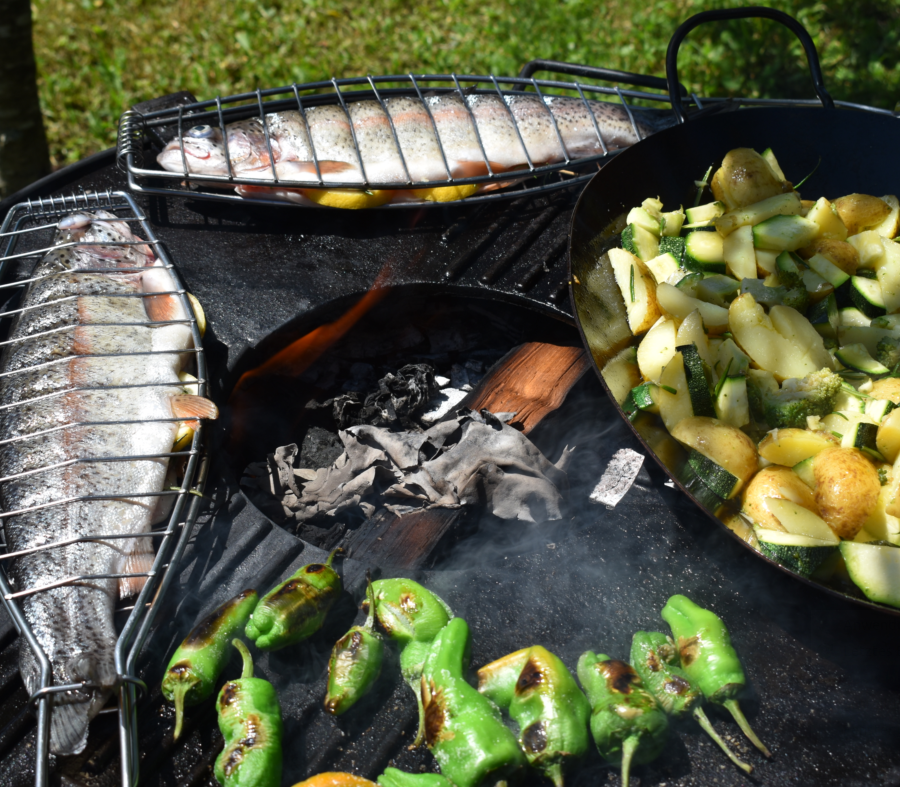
(97,57)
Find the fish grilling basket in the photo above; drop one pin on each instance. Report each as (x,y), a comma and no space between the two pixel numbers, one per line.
(26,235)
(521,113)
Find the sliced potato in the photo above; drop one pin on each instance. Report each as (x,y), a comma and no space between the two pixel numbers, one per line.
(739,253)
(775,482)
(678,304)
(800,521)
(692,331)
(674,407)
(847,489)
(888,438)
(726,445)
(621,374)
(638,290)
(789,447)
(891,225)
(656,349)
(861,211)
(869,246)
(782,342)
(826,216)
(888,271)
(838,252)
(880,524)
(886,388)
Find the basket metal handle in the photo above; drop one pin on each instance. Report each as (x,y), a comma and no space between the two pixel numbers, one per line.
(749,12)
(595,72)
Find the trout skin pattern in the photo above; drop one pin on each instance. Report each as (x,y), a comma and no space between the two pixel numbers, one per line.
(60,380)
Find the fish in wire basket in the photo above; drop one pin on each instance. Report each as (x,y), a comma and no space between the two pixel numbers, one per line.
(85,349)
(495,138)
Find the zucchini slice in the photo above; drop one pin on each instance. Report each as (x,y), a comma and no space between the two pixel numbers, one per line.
(698,387)
(784,233)
(673,246)
(640,242)
(800,554)
(878,409)
(866,295)
(704,252)
(710,483)
(861,435)
(732,405)
(875,570)
(856,356)
(834,275)
(642,218)
(804,469)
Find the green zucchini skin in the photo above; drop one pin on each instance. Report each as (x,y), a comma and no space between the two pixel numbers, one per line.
(710,483)
(698,387)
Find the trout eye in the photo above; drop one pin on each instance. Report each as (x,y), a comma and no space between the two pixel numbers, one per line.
(201,132)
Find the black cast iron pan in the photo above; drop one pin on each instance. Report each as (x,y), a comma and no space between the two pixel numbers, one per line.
(857,152)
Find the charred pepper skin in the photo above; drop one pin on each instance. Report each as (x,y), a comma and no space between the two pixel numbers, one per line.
(295,609)
(627,723)
(412,616)
(355,663)
(250,722)
(545,701)
(708,657)
(196,665)
(463,728)
(654,658)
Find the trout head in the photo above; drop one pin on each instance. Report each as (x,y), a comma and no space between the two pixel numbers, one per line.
(204,152)
(100,240)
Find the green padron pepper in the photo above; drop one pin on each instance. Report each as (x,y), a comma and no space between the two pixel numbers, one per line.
(295,609)
(250,722)
(463,728)
(412,616)
(355,663)
(196,665)
(544,700)
(627,723)
(654,658)
(396,778)
(708,657)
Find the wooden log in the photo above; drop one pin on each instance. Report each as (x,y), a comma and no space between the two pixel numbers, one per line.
(531,380)
(413,540)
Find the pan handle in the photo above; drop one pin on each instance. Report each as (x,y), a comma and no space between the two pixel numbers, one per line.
(748,12)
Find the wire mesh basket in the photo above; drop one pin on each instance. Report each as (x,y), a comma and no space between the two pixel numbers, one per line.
(26,235)
(516,105)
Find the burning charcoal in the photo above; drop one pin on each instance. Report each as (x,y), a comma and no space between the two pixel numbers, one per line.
(320,448)
(391,404)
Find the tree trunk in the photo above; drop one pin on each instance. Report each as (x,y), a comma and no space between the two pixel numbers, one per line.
(23,145)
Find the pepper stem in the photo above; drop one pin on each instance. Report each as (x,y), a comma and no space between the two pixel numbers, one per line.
(333,553)
(555,774)
(178,694)
(629,747)
(703,721)
(247,672)
(735,710)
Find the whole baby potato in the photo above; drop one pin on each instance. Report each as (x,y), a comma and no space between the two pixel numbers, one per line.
(847,489)
(780,482)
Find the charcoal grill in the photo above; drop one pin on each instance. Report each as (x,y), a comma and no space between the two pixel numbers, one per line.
(824,688)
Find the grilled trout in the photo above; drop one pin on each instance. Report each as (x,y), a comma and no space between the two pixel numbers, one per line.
(475,131)
(84,351)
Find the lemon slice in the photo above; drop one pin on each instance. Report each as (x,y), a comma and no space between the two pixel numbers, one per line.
(199,314)
(349,199)
(446,193)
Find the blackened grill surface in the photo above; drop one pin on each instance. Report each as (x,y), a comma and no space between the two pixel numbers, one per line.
(824,689)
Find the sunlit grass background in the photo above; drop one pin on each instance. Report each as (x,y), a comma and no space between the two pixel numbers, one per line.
(97,57)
